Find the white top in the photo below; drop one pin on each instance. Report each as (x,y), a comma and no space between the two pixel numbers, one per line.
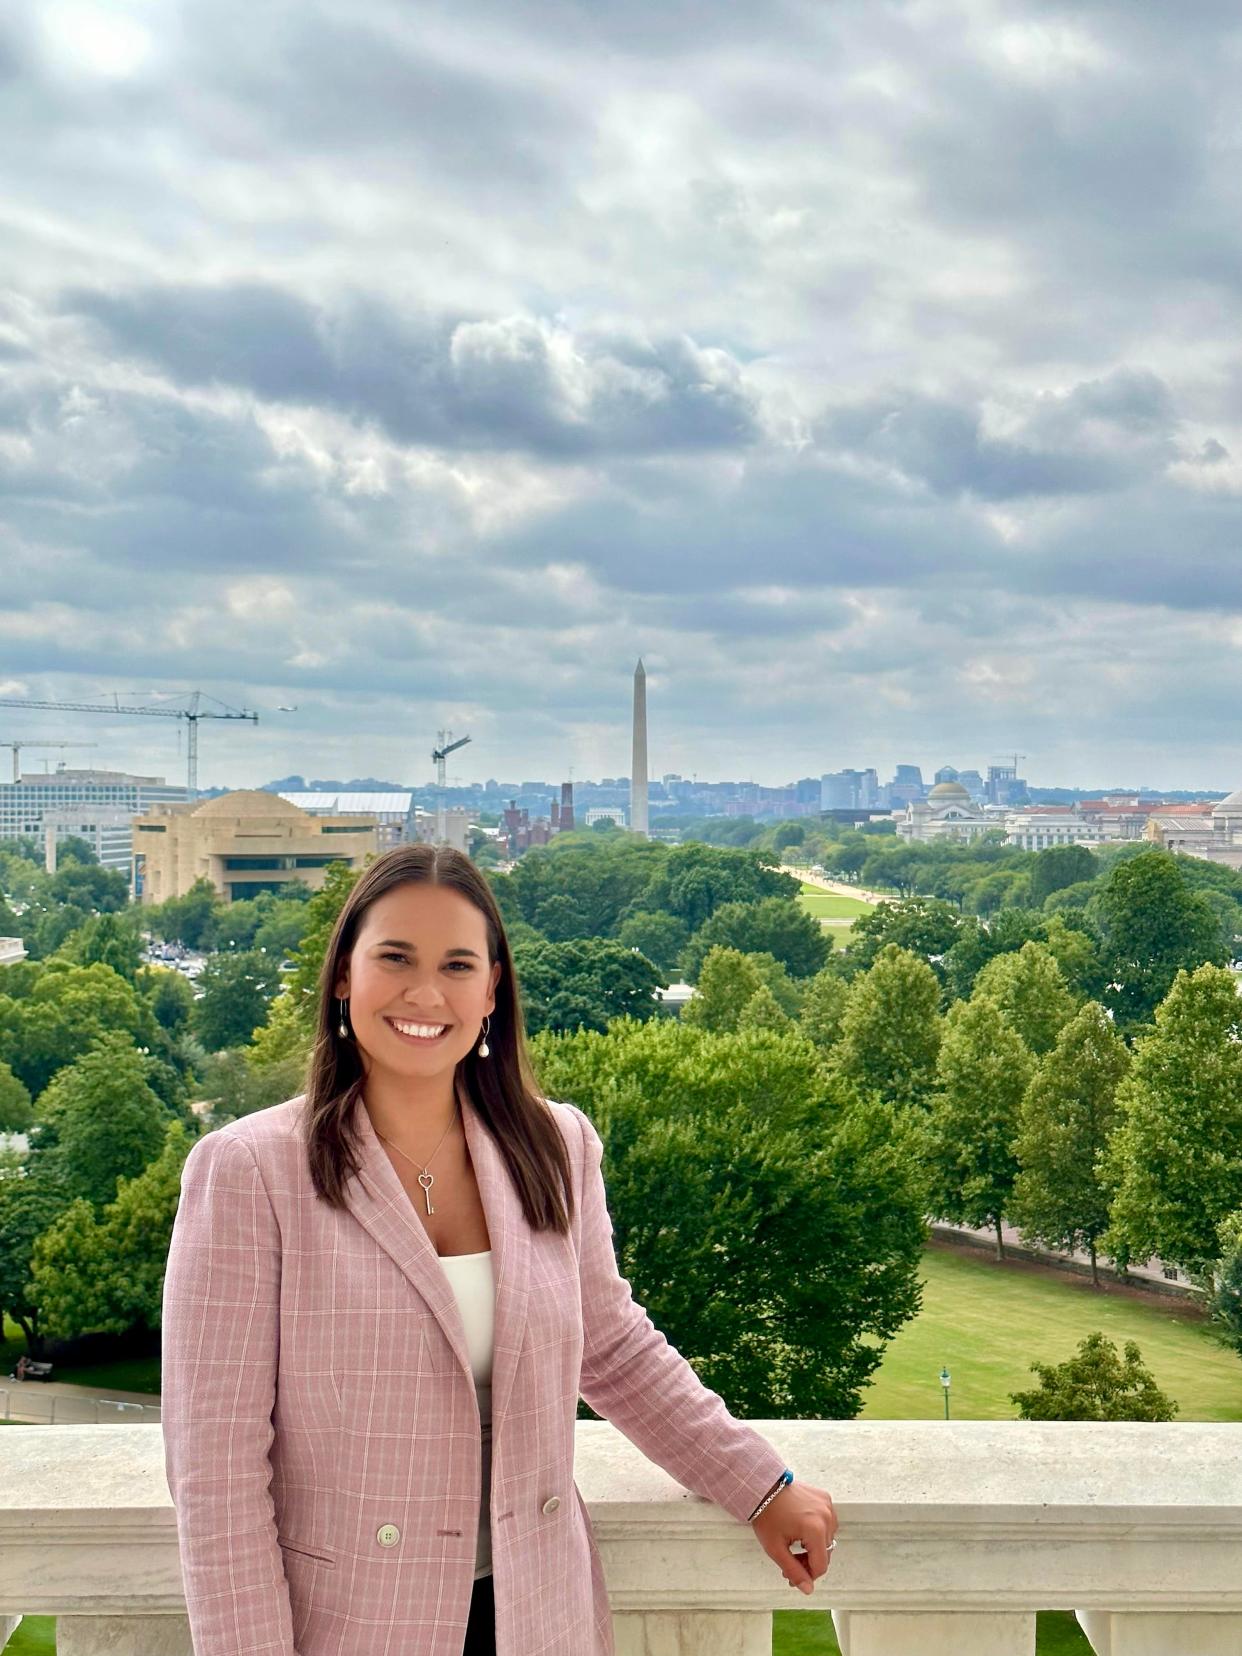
(471,1279)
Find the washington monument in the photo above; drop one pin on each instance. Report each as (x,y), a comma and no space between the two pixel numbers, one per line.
(638,765)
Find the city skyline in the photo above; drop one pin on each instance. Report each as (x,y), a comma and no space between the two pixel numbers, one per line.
(870,371)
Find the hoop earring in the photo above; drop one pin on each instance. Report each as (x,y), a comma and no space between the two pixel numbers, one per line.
(343,1028)
(484,1049)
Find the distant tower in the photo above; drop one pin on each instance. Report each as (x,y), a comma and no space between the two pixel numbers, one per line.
(638,766)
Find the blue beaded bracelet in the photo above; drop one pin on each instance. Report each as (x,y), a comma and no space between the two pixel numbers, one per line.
(786,1477)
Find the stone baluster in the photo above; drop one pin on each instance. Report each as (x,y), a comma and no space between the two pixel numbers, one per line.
(693,1633)
(123,1636)
(935,1633)
(1162,1632)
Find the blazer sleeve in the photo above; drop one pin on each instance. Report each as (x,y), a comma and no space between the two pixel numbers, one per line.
(220,1340)
(633,1377)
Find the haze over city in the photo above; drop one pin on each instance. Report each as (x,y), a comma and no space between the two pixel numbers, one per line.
(870,371)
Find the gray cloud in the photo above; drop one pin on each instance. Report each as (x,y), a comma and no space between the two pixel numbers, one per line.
(871,370)
(504,382)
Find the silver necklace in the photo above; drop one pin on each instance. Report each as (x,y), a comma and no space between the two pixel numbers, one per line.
(425,1178)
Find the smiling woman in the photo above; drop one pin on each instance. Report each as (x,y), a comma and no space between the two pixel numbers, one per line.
(371,1285)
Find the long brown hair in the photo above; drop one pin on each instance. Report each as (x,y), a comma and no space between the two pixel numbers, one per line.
(502,1087)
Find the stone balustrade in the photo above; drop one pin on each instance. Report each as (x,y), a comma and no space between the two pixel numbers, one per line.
(953,1534)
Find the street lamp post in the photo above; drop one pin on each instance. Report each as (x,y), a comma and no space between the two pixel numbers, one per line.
(944,1381)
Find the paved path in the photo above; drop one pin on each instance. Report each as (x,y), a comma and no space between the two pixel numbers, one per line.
(839,886)
(62,1404)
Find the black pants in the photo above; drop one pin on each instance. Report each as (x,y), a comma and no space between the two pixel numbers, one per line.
(481,1627)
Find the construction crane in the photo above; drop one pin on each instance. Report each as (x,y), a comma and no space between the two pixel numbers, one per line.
(440,753)
(191,715)
(18,746)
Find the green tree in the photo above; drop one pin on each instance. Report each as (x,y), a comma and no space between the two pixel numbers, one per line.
(107,940)
(1067,1117)
(63,1013)
(236,989)
(28,1206)
(233,1085)
(925,926)
(661,937)
(1075,948)
(282,928)
(823,1009)
(91,888)
(104,1119)
(105,1272)
(584,983)
(1060,866)
(1029,992)
(977,943)
(15,1113)
(773,1230)
(285,1037)
(189,919)
(1175,1159)
(763,1011)
(170,997)
(1153,926)
(322,911)
(893,867)
(786,991)
(890,1032)
(982,1073)
(560,917)
(773,926)
(1225,1299)
(692,881)
(727,980)
(1095,1384)
(73,848)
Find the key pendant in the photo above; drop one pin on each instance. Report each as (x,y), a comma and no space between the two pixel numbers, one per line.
(427,1180)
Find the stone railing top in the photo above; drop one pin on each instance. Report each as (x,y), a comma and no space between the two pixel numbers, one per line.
(868,1466)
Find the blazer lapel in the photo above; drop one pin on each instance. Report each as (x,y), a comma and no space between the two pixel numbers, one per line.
(378,1201)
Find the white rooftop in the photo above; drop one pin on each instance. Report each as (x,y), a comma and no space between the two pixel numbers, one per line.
(348,804)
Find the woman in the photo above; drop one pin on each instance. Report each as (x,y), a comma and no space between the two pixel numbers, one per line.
(372,1286)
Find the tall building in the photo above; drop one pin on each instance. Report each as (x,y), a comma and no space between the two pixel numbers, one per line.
(638,768)
(107,829)
(563,810)
(906,786)
(849,790)
(25,803)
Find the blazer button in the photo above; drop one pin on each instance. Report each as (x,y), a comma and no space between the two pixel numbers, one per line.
(551,1504)
(388,1535)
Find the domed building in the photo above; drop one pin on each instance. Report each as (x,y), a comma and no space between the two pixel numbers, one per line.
(243,842)
(948,812)
(1213,832)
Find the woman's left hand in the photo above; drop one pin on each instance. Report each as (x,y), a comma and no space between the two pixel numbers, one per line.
(799,1513)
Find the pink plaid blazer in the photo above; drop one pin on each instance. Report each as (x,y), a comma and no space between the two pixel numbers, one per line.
(321,1430)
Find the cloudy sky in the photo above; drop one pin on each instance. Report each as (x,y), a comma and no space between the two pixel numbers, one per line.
(872,369)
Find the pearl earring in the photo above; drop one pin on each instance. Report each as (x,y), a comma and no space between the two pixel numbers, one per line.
(484,1049)
(343,1028)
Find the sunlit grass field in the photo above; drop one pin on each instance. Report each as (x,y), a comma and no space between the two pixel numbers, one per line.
(987,1322)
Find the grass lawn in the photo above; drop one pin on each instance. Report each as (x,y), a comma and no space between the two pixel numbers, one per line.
(12,1344)
(138,1374)
(35,1636)
(830,905)
(987,1322)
